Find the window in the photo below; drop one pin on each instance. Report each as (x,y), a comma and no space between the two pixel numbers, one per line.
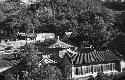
(95,68)
(99,68)
(104,67)
(83,70)
(113,66)
(89,69)
(86,69)
(78,70)
(108,67)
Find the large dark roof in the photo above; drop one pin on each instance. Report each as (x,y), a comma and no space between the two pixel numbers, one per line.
(93,57)
(7,60)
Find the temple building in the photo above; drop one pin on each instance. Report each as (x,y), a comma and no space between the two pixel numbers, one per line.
(60,44)
(86,64)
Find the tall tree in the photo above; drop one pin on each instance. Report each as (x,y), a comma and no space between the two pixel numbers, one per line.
(118,43)
(18,17)
(8,21)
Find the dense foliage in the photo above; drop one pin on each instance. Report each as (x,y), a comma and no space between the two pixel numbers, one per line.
(119,6)
(102,76)
(32,65)
(119,43)
(85,18)
(89,21)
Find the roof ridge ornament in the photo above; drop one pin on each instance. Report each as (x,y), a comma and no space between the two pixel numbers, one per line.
(58,39)
(107,50)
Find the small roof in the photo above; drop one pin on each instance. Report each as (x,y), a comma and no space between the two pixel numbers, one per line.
(31,35)
(22,34)
(54,52)
(4,37)
(93,57)
(60,44)
(46,43)
(28,35)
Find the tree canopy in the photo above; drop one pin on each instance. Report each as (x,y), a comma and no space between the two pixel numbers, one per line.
(91,24)
(85,18)
(88,20)
(33,65)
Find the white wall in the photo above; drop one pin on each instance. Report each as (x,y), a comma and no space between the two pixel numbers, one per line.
(29,1)
(122,65)
(2,0)
(43,36)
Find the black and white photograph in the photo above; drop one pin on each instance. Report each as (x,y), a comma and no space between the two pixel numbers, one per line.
(62,39)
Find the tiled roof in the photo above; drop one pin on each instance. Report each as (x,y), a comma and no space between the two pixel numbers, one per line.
(53,52)
(69,51)
(60,44)
(93,57)
(49,50)
(6,60)
(31,35)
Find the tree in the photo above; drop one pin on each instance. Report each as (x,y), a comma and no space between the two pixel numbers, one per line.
(8,21)
(118,43)
(82,17)
(34,65)
(2,16)
(96,25)
(28,61)
(119,6)
(18,17)
(121,21)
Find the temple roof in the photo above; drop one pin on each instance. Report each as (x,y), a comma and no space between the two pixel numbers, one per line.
(93,57)
(7,60)
(60,44)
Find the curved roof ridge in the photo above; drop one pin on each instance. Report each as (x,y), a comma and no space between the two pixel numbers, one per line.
(94,57)
(60,44)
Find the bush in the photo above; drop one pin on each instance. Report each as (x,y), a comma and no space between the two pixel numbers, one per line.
(91,78)
(102,76)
